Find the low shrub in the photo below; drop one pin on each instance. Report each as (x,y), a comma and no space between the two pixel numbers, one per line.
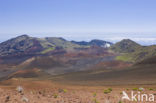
(108,90)
(151,89)
(65,90)
(135,89)
(94,94)
(55,95)
(120,102)
(95,100)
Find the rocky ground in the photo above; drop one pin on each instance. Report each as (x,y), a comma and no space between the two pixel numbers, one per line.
(46,92)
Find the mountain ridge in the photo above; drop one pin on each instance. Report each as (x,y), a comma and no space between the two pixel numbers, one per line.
(126,46)
(33,57)
(95,42)
(31,45)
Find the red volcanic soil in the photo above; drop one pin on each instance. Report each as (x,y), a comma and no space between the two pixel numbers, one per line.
(35,48)
(49,92)
(25,73)
(89,52)
(113,64)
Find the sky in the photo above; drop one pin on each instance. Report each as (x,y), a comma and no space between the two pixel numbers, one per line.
(111,20)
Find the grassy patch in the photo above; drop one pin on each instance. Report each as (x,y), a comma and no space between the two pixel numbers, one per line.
(120,101)
(65,90)
(124,58)
(135,89)
(95,100)
(127,89)
(107,91)
(47,50)
(94,94)
(110,89)
(151,89)
(55,95)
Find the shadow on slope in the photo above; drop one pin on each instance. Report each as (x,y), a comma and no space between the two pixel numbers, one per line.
(140,73)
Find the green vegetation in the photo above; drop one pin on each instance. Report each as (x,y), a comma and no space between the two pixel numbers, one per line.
(44,43)
(139,54)
(108,90)
(120,102)
(138,89)
(133,52)
(65,90)
(135,89)
(151,89)
(60,42)
(125,58)
(94,94)
(125,46)
(55,95)
(47,50)
(95,100)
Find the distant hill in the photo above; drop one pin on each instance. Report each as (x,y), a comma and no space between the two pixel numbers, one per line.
(97,62)
(133,52)
(21,44)
(24,55)
(30,45)
(60,42)
(126,46)
(94,42)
